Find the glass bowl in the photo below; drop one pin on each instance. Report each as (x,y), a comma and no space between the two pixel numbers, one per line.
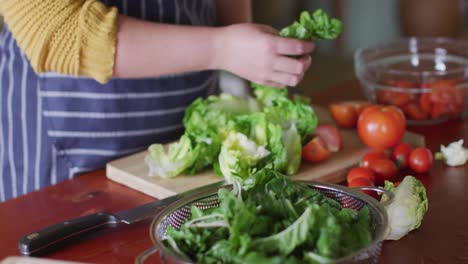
(427,78)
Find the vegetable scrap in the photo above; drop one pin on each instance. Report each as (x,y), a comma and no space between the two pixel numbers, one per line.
(454,154)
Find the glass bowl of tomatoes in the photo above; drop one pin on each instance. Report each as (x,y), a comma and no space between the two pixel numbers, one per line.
(427,78)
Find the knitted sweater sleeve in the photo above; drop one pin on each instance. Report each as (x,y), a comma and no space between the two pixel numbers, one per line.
(73,37)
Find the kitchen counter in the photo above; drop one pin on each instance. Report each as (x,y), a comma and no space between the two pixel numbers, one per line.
(442,237)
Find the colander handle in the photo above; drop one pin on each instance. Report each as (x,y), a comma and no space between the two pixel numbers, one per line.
(140,259)
(378,190)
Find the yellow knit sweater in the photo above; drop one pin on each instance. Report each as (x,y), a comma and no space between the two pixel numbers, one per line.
(73,37)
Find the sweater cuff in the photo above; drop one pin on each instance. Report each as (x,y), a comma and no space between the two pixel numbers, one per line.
(98,28)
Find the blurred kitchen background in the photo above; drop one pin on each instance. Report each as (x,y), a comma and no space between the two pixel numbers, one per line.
(366,22)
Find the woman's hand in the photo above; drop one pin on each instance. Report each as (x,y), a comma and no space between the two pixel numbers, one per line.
(259,54)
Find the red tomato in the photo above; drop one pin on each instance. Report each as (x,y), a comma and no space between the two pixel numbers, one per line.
(393,98)
(315,150)
(445,91)
(346,113)
(358,172)
(381,127)
(425,103)
(360,182)
(367,159)
(420,160)
(396,97)
(444,99)
(360,106)
(414,111)
(385,170)
(330,135)
(441,109)
(401,154)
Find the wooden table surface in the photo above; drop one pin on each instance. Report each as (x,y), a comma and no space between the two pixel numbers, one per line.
(442,237)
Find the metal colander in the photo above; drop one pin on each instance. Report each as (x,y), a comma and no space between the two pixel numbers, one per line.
(178,212)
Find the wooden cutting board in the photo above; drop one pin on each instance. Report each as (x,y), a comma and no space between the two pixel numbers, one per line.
(132,171)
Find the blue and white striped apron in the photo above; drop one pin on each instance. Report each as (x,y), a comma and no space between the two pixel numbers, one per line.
(54,127)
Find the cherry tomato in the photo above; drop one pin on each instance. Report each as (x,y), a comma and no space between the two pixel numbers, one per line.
(346,114)
(330,135)
(420,160)
(315,150)
(360,182)
(401,155)
(381,127)
(385,170)
(369,157)
(359,172)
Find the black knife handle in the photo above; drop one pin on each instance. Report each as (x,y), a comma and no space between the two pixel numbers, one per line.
(52,237)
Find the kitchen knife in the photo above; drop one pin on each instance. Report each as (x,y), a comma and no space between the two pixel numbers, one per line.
(58,235)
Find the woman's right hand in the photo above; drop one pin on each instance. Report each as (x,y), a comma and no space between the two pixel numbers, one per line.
(257,53)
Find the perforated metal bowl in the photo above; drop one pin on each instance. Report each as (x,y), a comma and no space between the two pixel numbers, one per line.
(178,212)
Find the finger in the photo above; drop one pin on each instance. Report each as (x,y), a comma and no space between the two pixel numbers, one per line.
(286,79)
(269,29)
(291,65)
(288,46)
(274,84)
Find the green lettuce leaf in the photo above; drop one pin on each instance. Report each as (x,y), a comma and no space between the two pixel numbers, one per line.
(171,162)
(239,156)
(313,27)
(408,207)
(287,240)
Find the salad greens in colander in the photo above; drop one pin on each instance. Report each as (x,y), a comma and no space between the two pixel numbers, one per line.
(238,136)
(271,219)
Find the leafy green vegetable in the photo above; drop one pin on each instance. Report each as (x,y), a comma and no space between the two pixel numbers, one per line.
(288,239)
(280,110)
(238,155)
(179,156)
(269,96)
(284,143)
(313,27)
(207,122)
(271,219)
(238,136)
(407,209)
(292,142)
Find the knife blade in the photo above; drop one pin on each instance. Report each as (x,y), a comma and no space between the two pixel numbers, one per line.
(58,235)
